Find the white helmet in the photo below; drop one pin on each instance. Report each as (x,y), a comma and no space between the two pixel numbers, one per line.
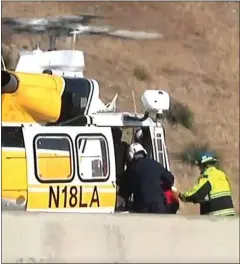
(134,149)
(138,135)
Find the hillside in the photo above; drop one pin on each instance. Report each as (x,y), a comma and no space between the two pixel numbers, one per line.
(197,62)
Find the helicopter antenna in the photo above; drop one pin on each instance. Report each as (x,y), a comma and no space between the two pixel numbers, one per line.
(135,112)
(74,36)
(3,64)
(38,46)
(134,102)
(52,42)
(74,40)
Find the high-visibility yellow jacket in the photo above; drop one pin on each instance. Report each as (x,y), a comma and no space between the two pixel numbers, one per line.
(212,192)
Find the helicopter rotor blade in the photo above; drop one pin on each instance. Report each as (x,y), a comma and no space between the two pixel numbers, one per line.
(135,34)
(72,25)
(50,21)
(82,19)
(111,32)
(91,30)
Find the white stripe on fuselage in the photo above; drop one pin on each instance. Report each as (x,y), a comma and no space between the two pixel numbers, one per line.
(85,190)
(13,149)
(87,210)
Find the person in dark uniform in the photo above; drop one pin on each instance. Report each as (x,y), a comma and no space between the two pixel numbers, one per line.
(145,179)
(172,200)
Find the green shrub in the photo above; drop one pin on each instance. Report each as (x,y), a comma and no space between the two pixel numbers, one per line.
(141,73)
(180,113)
(192,151)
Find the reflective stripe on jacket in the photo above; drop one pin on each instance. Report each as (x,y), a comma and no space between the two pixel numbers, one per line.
(212,192)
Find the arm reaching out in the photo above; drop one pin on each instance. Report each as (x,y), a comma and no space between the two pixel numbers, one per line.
(167,179)
(198,192)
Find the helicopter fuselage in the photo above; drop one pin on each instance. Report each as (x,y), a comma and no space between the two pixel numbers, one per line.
(59,153)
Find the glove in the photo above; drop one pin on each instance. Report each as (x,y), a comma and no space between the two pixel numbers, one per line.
(175,192)
(180,197)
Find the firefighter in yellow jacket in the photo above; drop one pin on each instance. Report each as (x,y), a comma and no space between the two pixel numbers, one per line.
(213,191)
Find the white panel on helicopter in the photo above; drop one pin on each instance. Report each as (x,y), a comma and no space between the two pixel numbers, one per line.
(61,62)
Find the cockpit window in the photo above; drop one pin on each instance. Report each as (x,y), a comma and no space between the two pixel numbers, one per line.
(12,137)
(75,98)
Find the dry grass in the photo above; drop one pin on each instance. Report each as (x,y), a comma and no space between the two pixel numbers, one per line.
(197,63)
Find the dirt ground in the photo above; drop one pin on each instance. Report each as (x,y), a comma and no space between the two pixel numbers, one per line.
(197,62)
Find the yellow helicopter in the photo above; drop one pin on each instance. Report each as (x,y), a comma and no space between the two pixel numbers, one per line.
(61,145)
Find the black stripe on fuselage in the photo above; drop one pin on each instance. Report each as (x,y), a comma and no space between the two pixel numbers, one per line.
(12,137)
(76,97)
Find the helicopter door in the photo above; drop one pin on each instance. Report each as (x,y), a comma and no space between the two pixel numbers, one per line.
(70,169)
(159,146)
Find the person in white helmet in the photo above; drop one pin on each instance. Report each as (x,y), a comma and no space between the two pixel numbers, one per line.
(145,140)
(145,178)
(172,200)
(138,136)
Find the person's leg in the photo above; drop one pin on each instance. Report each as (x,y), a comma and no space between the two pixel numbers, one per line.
(120,204)
(173,208)
(156,208)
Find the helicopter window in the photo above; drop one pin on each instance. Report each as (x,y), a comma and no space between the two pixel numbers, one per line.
(93,158)
(146,141)
(75,98)
(160,151)
(167,165)
(54,158)
(121,137)
(142,135)
(12,137)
